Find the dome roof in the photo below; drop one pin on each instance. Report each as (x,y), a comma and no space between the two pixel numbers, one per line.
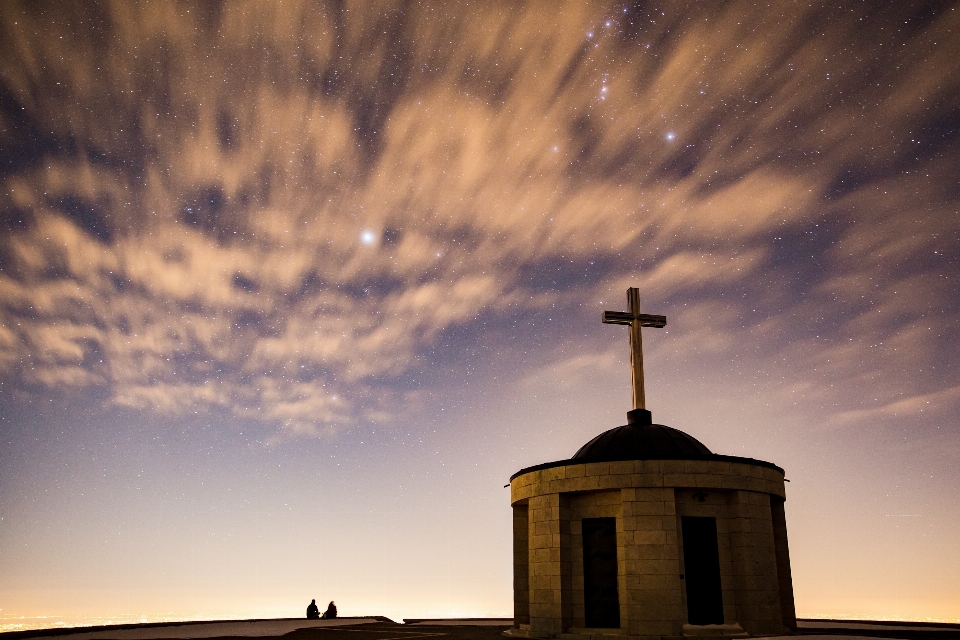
(641,440)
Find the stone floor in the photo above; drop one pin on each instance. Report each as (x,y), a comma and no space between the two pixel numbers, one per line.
(832,629)
(379,628)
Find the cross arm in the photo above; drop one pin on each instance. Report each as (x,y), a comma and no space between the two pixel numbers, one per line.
(617,317)
(647,320)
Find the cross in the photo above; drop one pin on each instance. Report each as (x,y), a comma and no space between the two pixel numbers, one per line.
(636,320)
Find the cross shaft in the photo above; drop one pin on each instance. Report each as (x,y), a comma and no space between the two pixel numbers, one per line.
(634,319)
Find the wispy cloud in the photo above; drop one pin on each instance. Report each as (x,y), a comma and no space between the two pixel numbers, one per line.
(275,210)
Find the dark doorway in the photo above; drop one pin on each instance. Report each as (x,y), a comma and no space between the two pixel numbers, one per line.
(701,559)
(601,600)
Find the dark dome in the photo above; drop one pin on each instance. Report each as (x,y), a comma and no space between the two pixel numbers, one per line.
(641,440)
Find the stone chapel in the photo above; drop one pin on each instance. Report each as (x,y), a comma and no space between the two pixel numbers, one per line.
(645,533)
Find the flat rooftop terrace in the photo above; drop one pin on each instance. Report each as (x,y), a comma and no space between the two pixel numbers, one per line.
(380,628)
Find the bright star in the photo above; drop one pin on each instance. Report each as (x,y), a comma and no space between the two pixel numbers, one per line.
(671,135)
(368,237)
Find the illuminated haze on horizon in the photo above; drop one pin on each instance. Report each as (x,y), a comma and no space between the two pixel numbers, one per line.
(288,293)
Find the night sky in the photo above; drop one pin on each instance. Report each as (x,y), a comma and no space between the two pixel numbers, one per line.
(289,290)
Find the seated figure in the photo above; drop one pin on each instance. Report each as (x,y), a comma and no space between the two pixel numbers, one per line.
(331,611)
(313,612)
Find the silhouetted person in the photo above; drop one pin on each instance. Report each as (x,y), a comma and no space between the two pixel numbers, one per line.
(313,612)
(331,611)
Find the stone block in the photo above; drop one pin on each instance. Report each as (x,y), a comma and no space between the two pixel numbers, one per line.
(611,498)
(543,596)
(585,483)
(542,502)
(621,467)
(539,581)
(696,466)
(629,552)
(641,582)
(739,468)
(749,611)
(654,602)
(723,468)
(650,466)
(648,508)
(597,468)
(574,471)
(589,511)
(541,542)
(657,628)
(518,496)
(649,551)
(660,609)
(548,556)
(679,480)
(544,627)
(671,466)
(633,568)
(554,473)
(544,582)
(734,481)
(647,480)
(614,482)
(648,537)
(772,487)
(651,494)
(553,509)
(748,583)
(649,523)
(711,481)
(771,474)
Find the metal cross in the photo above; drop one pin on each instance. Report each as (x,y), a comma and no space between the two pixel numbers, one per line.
(636,320)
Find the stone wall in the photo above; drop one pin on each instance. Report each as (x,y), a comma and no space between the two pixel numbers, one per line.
(787,610)
(653,604)
(707,474)
(521,562)
(549,564)
(648,498)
